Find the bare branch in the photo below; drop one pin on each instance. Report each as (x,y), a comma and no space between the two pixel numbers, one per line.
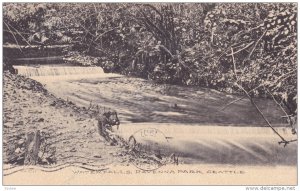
(13,36)
(155,9)
(153,25)
(232,102)
(105,33)
(256,43)
(234,65)
(19,34)
(286,115)
(247,46)
(283,141)
(283,77)
(166,50)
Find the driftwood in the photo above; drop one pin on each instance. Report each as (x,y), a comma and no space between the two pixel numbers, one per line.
(33,142)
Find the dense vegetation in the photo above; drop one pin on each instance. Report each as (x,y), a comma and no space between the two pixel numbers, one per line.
(246,48)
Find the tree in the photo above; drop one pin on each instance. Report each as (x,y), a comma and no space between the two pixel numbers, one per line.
(242,48)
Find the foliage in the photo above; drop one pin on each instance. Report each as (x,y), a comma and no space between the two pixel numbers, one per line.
(33,24)
(210,45)
(264,45)
(76,57)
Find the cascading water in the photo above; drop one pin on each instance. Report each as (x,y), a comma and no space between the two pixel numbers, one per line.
(29,71)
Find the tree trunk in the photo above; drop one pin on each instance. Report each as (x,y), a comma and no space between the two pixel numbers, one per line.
(33,142)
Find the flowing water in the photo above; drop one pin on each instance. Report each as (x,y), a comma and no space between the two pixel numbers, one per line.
(194,120)
(57,70)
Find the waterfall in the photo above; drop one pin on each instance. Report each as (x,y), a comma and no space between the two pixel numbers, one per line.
(57,70)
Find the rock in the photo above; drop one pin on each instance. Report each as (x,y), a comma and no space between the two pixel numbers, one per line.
(41,120)
(53,103)
(73,150)
(59,134)
(26,86)
(19,123)
(8,125)
(45,161)
(21,142)
(80,119)
(18,150)
(51,160)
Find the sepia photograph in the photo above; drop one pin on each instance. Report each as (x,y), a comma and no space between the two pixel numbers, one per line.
(148,93)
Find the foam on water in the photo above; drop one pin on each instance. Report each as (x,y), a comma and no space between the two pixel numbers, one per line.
(29,71)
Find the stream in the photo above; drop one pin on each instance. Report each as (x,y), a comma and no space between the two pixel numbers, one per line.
(193,120)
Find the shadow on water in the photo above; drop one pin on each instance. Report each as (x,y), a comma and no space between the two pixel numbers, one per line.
(138,102)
